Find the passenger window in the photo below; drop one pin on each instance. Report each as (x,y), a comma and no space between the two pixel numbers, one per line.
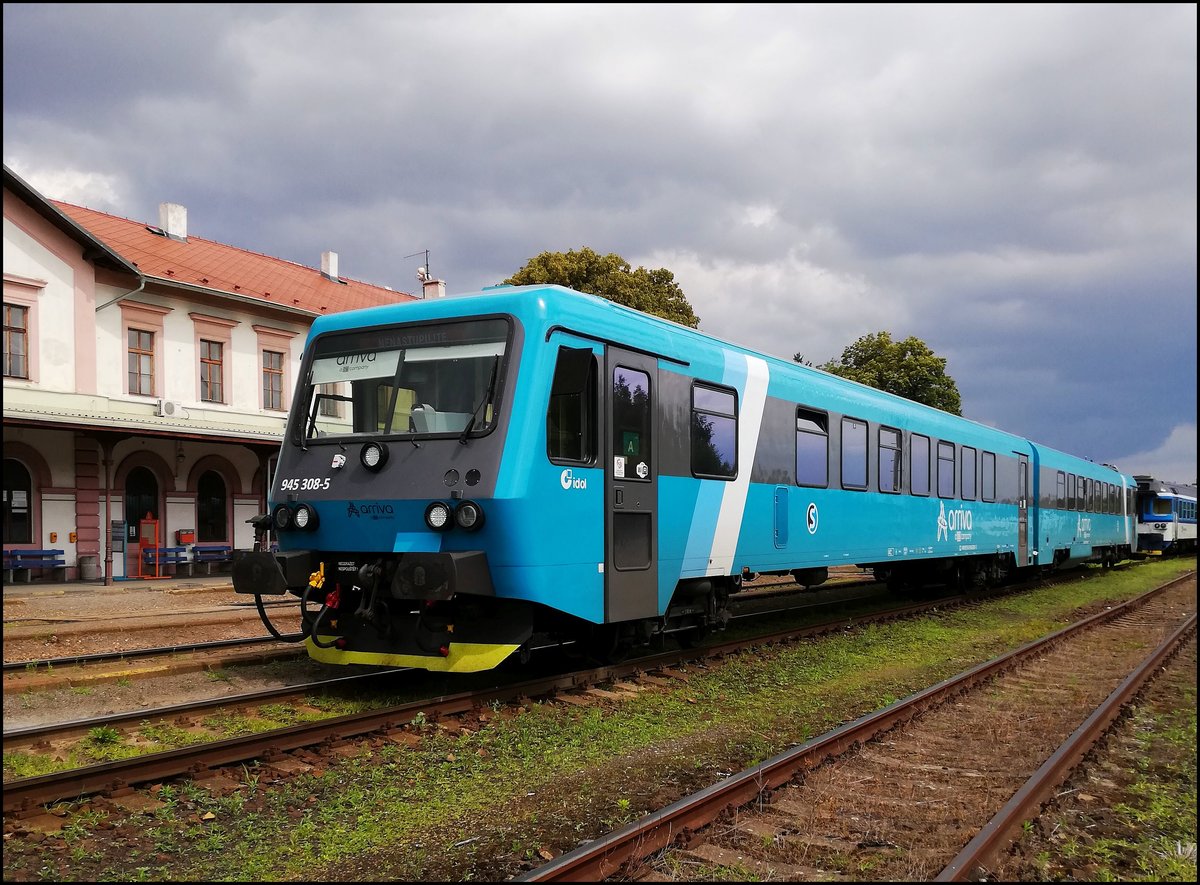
(1061,491)
(890,460)
(714,432)
(571,415)
(812,448)
(969,468)
(945,475)
(987,477)
(918,461)
(631,423)
(1071,505)
(854,453)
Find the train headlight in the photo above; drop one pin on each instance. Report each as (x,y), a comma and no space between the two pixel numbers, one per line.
(282,517)
(437,516)
(305,518)
(468,515)
(373,455)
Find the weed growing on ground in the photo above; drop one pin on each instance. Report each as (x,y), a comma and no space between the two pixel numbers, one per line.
(399,814)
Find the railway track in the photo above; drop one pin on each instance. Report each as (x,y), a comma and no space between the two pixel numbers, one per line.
(131,654)
(25,793)
(74,669)
(919,786)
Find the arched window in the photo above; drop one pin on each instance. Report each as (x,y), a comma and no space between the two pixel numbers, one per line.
(18,503)
(211,502)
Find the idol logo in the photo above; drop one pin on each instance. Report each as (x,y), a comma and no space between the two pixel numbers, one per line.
(569,480)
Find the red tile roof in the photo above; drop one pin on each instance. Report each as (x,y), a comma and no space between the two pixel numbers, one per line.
(203,263)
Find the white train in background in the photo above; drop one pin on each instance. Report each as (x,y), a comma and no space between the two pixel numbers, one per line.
(1166,516)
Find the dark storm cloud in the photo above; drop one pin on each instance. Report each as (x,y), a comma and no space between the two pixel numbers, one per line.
(1015,185)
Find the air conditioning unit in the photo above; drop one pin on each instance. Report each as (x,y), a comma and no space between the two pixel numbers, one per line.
(170,409)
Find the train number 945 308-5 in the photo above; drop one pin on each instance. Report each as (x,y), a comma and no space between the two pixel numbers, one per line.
(305,484)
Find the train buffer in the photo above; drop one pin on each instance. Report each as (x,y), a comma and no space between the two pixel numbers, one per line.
(20,564)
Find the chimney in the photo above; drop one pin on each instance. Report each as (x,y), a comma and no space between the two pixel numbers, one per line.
(434,288)
(172,218)
(329,268)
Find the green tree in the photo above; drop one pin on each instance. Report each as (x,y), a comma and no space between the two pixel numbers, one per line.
(610,276)
(906,368)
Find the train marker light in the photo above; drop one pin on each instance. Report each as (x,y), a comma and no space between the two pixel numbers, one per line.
(437,516)
(282,517)
(468,515)
(373,456)
(306,517)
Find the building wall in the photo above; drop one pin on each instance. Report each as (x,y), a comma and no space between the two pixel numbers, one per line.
(79,377)
(35,250)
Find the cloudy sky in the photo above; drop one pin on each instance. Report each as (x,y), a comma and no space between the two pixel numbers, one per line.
(1014,185)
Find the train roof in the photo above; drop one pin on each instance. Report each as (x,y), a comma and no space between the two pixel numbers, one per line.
(1164,487)
(552,306)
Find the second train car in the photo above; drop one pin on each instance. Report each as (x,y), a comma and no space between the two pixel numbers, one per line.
(462,477)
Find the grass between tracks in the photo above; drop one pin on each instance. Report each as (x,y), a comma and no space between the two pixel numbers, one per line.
(1149,833)
(483,804)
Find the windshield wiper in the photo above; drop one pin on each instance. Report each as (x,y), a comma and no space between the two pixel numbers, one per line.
(487,396)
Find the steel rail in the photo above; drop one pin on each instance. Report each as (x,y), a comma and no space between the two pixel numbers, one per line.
(1003,828)
(611,852)
(25,792)
(128,717)
(105,656)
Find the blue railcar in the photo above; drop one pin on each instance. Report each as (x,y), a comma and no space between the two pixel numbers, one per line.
(1166,516)
(461,477)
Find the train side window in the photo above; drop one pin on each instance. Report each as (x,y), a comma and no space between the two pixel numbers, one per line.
(1071,492)
(812,448)
(1090,502)
(890,459)
(1061,491)
(987,477)
(970,468)
(571,415)
(714,432)
(854,453)
(945,470)
(631,420)
(918,464)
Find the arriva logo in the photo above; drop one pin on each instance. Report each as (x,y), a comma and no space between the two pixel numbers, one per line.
(568,480)
(957,521)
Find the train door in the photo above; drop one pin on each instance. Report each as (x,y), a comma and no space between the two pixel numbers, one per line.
(1022,510)
(630,486)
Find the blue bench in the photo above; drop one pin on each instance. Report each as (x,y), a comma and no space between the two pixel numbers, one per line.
(17,561)
(219,555)
(154,559)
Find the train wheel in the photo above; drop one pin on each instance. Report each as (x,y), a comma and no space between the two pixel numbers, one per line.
(607,644)
(693,637)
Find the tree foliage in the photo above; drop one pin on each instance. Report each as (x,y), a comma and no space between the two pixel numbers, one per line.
(610,276)
(906,368)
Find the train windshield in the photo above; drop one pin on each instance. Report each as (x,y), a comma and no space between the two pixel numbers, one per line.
(429,379)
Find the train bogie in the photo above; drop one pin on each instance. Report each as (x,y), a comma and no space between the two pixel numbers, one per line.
(477,473)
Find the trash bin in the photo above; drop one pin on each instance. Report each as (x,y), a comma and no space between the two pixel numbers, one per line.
(89,566)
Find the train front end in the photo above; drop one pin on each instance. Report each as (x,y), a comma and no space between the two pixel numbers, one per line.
(378,514)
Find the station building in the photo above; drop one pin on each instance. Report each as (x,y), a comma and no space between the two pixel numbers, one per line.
(147,378)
